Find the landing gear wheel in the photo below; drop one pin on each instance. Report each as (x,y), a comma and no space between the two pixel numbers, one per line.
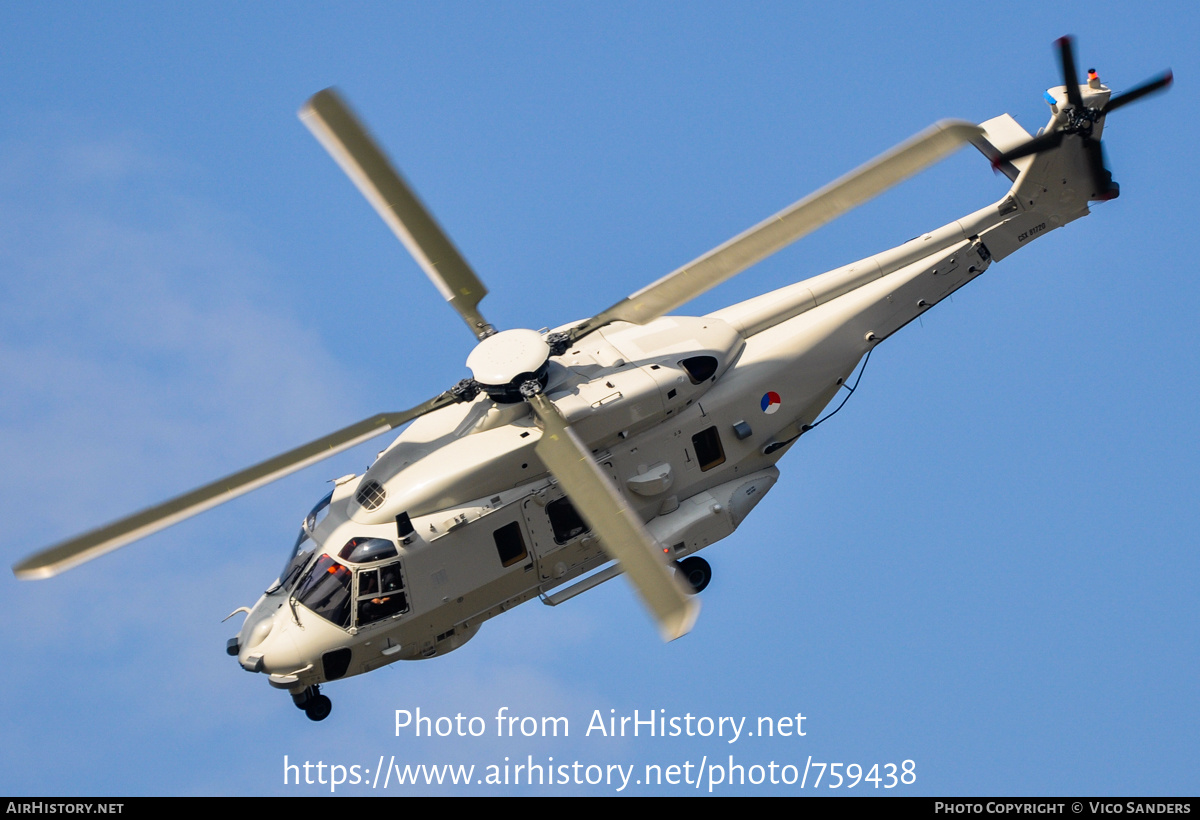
(696,571)
(314,704)
(318,708)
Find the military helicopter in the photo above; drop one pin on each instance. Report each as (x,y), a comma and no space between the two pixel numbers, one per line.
(622,444)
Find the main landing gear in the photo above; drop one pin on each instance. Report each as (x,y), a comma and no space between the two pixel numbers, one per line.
(314,704)
(696,571)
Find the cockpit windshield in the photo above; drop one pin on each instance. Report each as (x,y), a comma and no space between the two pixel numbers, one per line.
(317,514)
(304,547)
(325,590)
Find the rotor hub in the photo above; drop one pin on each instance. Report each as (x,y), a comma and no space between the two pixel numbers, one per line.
(501,364)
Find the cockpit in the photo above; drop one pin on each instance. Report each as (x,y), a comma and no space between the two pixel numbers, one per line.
(304,547)
(361,584)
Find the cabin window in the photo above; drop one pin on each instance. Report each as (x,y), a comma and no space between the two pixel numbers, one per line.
(700,368)
(380,594)
(565,522)
(510,544)
(708,448)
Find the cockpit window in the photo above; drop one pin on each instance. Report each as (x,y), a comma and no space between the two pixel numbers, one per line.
(303,549)
(325,589)
(317,514)
(380,594)
(363,550)
(296,563)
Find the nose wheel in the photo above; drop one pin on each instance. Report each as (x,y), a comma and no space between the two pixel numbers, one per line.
(696,571)
(314,704)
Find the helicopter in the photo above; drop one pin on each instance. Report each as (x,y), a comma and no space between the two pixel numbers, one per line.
(620,445)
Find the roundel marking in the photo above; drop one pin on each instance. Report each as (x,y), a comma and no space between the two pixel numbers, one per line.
(770,402)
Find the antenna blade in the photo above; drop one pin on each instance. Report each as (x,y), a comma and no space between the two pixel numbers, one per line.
(787,226)
(348,142)
(51,561)
(620,528)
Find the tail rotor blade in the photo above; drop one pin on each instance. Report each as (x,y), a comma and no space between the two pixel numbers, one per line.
(1053,139)
(1070,75)
(1158,83)
(1102,182)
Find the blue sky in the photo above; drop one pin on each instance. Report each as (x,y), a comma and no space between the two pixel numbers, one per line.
(985,564)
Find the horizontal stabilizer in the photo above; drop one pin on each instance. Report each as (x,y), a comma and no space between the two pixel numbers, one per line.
(1000,135)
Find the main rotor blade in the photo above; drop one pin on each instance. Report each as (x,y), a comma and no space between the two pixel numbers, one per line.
(785,227)
(1103,186)
(610,516)
(347,141)
(92,544)
(1070,75)
(1136,93)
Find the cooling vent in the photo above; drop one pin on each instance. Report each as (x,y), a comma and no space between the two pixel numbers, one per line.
(370,495)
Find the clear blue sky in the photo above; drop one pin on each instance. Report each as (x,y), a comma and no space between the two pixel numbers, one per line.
(987,563)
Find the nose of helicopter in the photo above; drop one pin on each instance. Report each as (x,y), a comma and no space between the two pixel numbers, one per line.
(265,643)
